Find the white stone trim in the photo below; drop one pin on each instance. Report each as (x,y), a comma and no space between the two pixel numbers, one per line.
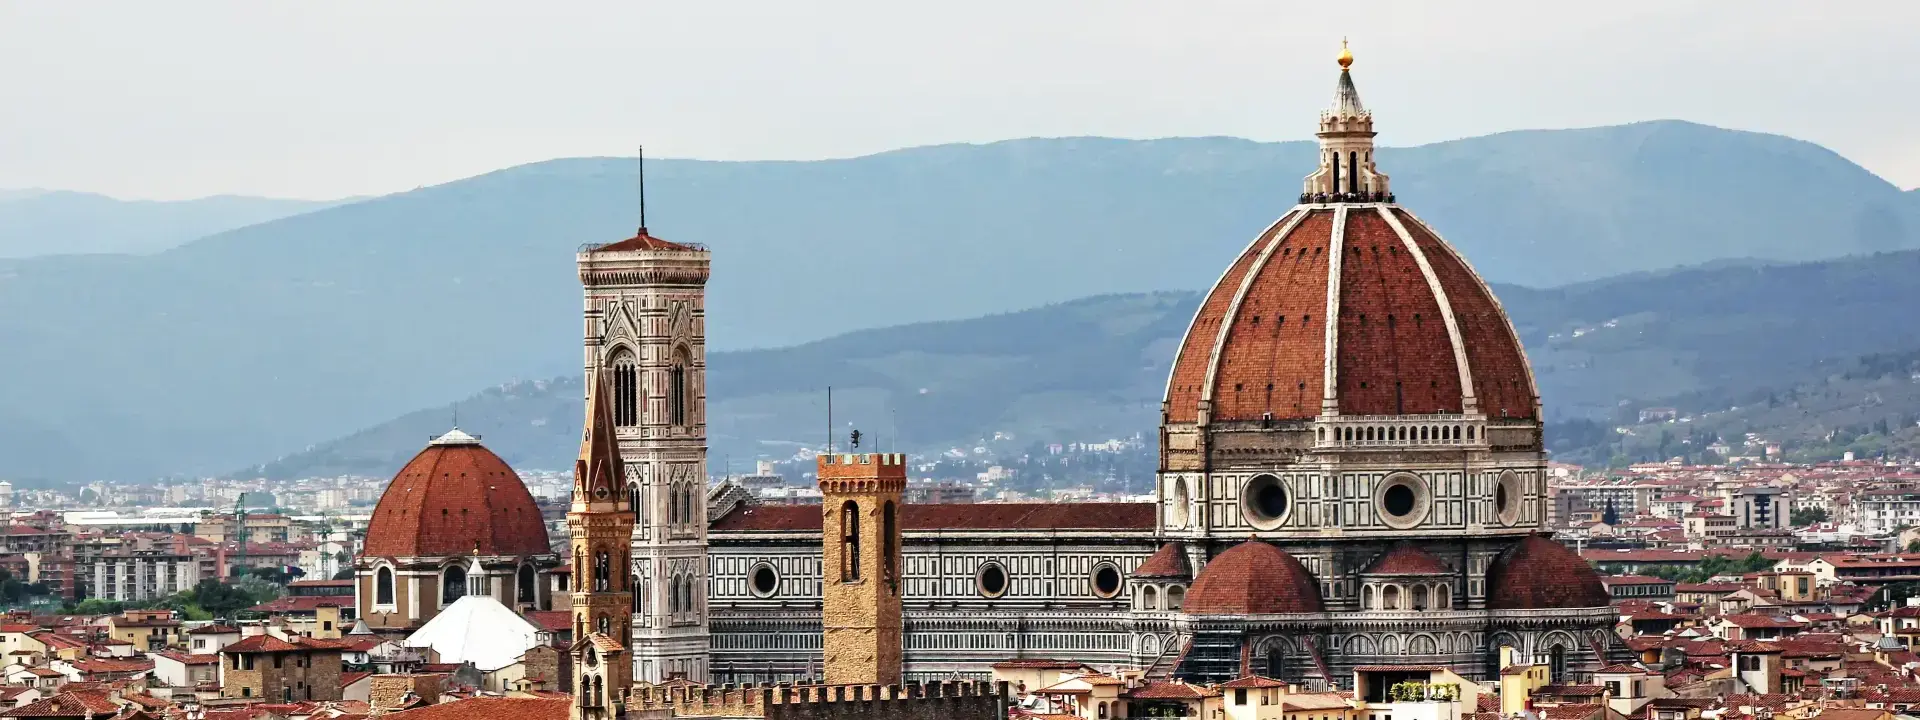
(1273,240)
(1336,251)
(1505,319)
(1469,403)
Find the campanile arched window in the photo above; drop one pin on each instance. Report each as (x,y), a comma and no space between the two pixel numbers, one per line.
(383,586)
(850,542)
(678,392)
(626,388)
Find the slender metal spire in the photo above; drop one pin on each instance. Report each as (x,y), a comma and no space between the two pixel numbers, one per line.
(641,156)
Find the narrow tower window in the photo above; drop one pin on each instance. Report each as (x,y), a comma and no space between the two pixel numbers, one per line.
(383,586)
(850,542)
(626,389)
(887,549)
(677,389)
(526,584)
(1336,171)
(1353,171)
(602,571)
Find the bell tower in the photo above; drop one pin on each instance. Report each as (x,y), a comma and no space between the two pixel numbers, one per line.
(645,333)
(860,502)
(600,526)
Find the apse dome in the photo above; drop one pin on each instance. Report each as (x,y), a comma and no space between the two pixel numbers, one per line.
(1540,574)
(1254,578)
(456,498)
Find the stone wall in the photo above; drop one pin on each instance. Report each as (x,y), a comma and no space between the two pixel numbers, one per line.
(929,701)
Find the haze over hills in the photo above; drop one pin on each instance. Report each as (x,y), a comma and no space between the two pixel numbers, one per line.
(1095,368)
(261,340)
(54,222)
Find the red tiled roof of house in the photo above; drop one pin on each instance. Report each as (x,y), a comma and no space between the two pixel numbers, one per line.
(1253,681)
(1757,621)
(1170,691)
(956,516)
(1572,711)
(104,665)
(214,630)
(189,659)
(301,603)
(81,703)
(551,620)
(489,708)
(349,678)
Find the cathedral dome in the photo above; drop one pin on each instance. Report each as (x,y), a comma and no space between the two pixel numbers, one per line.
(456,498)
(1415,331)
(1254,578)
(1540,574)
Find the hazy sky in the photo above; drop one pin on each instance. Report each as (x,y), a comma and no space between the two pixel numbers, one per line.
(320,99)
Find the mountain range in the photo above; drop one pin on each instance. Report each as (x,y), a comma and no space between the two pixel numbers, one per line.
(259,341)
(1096,368)
(57,222)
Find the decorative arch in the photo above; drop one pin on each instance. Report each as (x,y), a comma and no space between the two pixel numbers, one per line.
(850,542)
(383,585)
(525,585)
(679,388)
(623,369)
(1389,644)
(1149,598)
(1176,597)
(453,584)
(1357,645)
(1423,645)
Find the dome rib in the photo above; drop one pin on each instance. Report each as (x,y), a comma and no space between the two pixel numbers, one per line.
(1503,379)
(1445,307)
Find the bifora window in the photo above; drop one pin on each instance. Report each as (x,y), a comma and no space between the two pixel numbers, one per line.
(991,580)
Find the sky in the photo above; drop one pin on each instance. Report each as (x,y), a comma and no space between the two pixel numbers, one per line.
(318,100)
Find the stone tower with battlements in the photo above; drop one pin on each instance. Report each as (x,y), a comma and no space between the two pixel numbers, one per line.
(860,499)
(600,525)
(645,333)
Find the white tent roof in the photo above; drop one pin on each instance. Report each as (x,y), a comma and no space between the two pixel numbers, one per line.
(478,629)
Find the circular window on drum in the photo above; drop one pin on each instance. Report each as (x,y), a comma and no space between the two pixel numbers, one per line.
(1402,500)
(991,581)
(1508,498)
(1106,580)
(1265,502)
(763,580)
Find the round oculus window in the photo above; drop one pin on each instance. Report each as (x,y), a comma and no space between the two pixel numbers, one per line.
(1507,495)
(1106,580)
(1402,500)
(763,580)
(992,580)
(1265,502)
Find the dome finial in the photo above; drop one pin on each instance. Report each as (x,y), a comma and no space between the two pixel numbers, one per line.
(1346,56)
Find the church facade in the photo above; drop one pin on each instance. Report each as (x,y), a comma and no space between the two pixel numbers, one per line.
(1351,473)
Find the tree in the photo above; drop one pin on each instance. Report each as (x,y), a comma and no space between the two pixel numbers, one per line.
(1809,516)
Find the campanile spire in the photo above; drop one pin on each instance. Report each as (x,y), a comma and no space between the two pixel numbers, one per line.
(1346,172)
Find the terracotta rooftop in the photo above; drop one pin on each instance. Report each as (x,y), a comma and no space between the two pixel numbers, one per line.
(956,516)
(1538,574)
(456,498)
(489,708)
(642,241)
(1170,561)
(1253,578)
(78,703)
(1407,559)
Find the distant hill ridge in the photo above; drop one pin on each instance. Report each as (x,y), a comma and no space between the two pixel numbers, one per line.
(37,222)
(258,341)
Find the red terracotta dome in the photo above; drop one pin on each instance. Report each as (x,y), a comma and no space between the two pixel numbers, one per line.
(456,498)
(1407,559)
(1540,574)
(1254,578)
(1418,331)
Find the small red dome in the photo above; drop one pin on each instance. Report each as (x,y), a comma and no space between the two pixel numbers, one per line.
(1540,574)
(456,498)
(1407,559)
(1254,578)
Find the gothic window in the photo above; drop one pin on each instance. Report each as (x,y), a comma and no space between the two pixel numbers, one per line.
(1557,663)
(887,549)
(599,687)
(626,388)
(633,592)
(633,501)
(850,542)
(605,626)
(525,583)
(383,586)
(602,571)
(453,584)
(677,390)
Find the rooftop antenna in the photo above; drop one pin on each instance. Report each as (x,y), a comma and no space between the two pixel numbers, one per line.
(642,157)
(829,419)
